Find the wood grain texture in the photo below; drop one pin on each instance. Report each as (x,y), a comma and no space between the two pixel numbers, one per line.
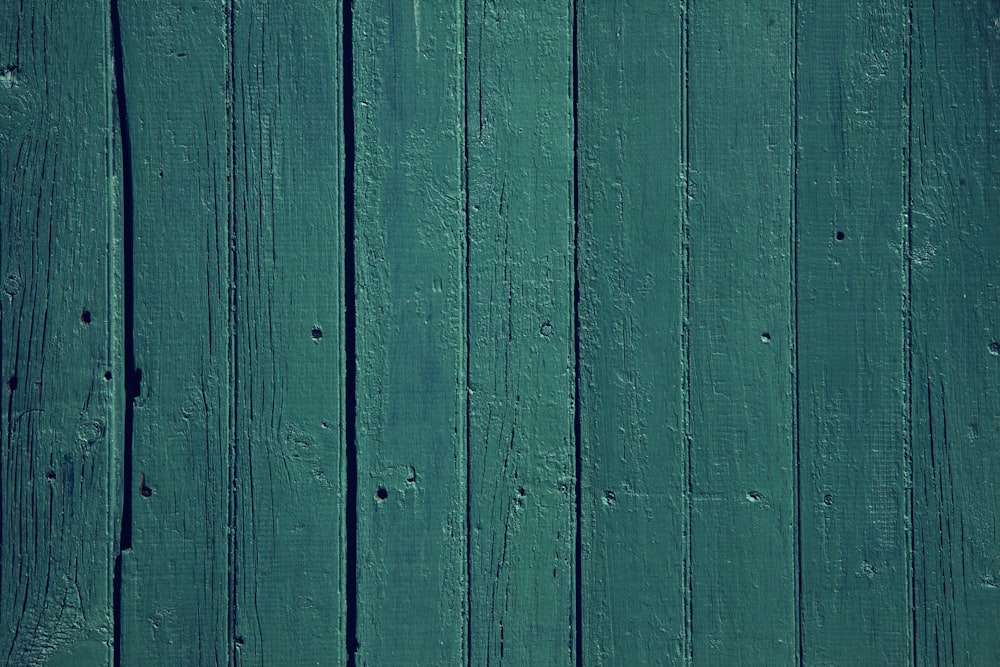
(239,426)
(410,266)
(288,337)
(633,449)
(522,455)
(177,575)
(60,429)
(955,373)
(850,204)
(739,335)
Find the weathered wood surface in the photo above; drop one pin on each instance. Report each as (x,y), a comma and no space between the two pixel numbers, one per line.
(499,333)
(410,267)
(237,468)
(851,244)
(60,360)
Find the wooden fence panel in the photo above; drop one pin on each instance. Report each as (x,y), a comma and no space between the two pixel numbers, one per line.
(410,267)
(522,453)
(60,407)
(954,259)
(634,498)
(851,280)
(739,336)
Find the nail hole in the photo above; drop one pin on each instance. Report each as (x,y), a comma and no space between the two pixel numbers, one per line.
(107,375)
(239,641)
(381,494)
(828,500)
(610,496)
(12,383)
(50,475)
(411,480)
(317,333)
(521,491)
(994,348)
(144,490)
(755,496)
(85,317)
(546,329)
(840,236)
(765,337)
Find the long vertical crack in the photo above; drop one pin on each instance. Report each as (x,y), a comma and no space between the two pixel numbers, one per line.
(133,375)
(350,345)
(577,426)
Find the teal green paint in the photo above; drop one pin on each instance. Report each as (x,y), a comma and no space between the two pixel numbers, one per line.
(955,302)
(410,263)
(733,264)
(739,336)
(852,347)
(521,335)
(634,449)
(59,416)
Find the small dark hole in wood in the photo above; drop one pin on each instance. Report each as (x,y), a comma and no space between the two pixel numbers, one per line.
(107,375)
(994,348)
(144,490)
(765,337)
(85,317)
(828,500)
(840,236)
(317,333)
(240,641)
(522,491)
(382,493)
(50,475)
(12,383)
(411,480)
(609,495)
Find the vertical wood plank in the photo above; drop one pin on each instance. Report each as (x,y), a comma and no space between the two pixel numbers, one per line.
(522,454)
(955,281)
(739,334)
(178,575)
(851,96)
(633,449)
(410,266)
(288,325)
(59,414)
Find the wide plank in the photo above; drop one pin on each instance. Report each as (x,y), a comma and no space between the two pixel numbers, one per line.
(739,333)
(179,535)
(522,453)
(634,497)
(851,279)
(287,323)
(954,265)
(409,279)
(60,380)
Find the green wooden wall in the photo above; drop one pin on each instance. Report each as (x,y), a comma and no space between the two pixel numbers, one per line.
(601,332)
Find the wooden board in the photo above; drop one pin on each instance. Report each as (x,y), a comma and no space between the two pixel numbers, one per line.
(739,336)
(410,266)
(522,454)
(60,381)
(634,490)
(954,264)
(851,279)
(237,485)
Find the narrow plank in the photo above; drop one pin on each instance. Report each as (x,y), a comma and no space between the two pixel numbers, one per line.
(633,451)
(955,371)
(851,92)
(59,416)
(410,263)
(288,327)
(177,573)
(522,452)
(739,335)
